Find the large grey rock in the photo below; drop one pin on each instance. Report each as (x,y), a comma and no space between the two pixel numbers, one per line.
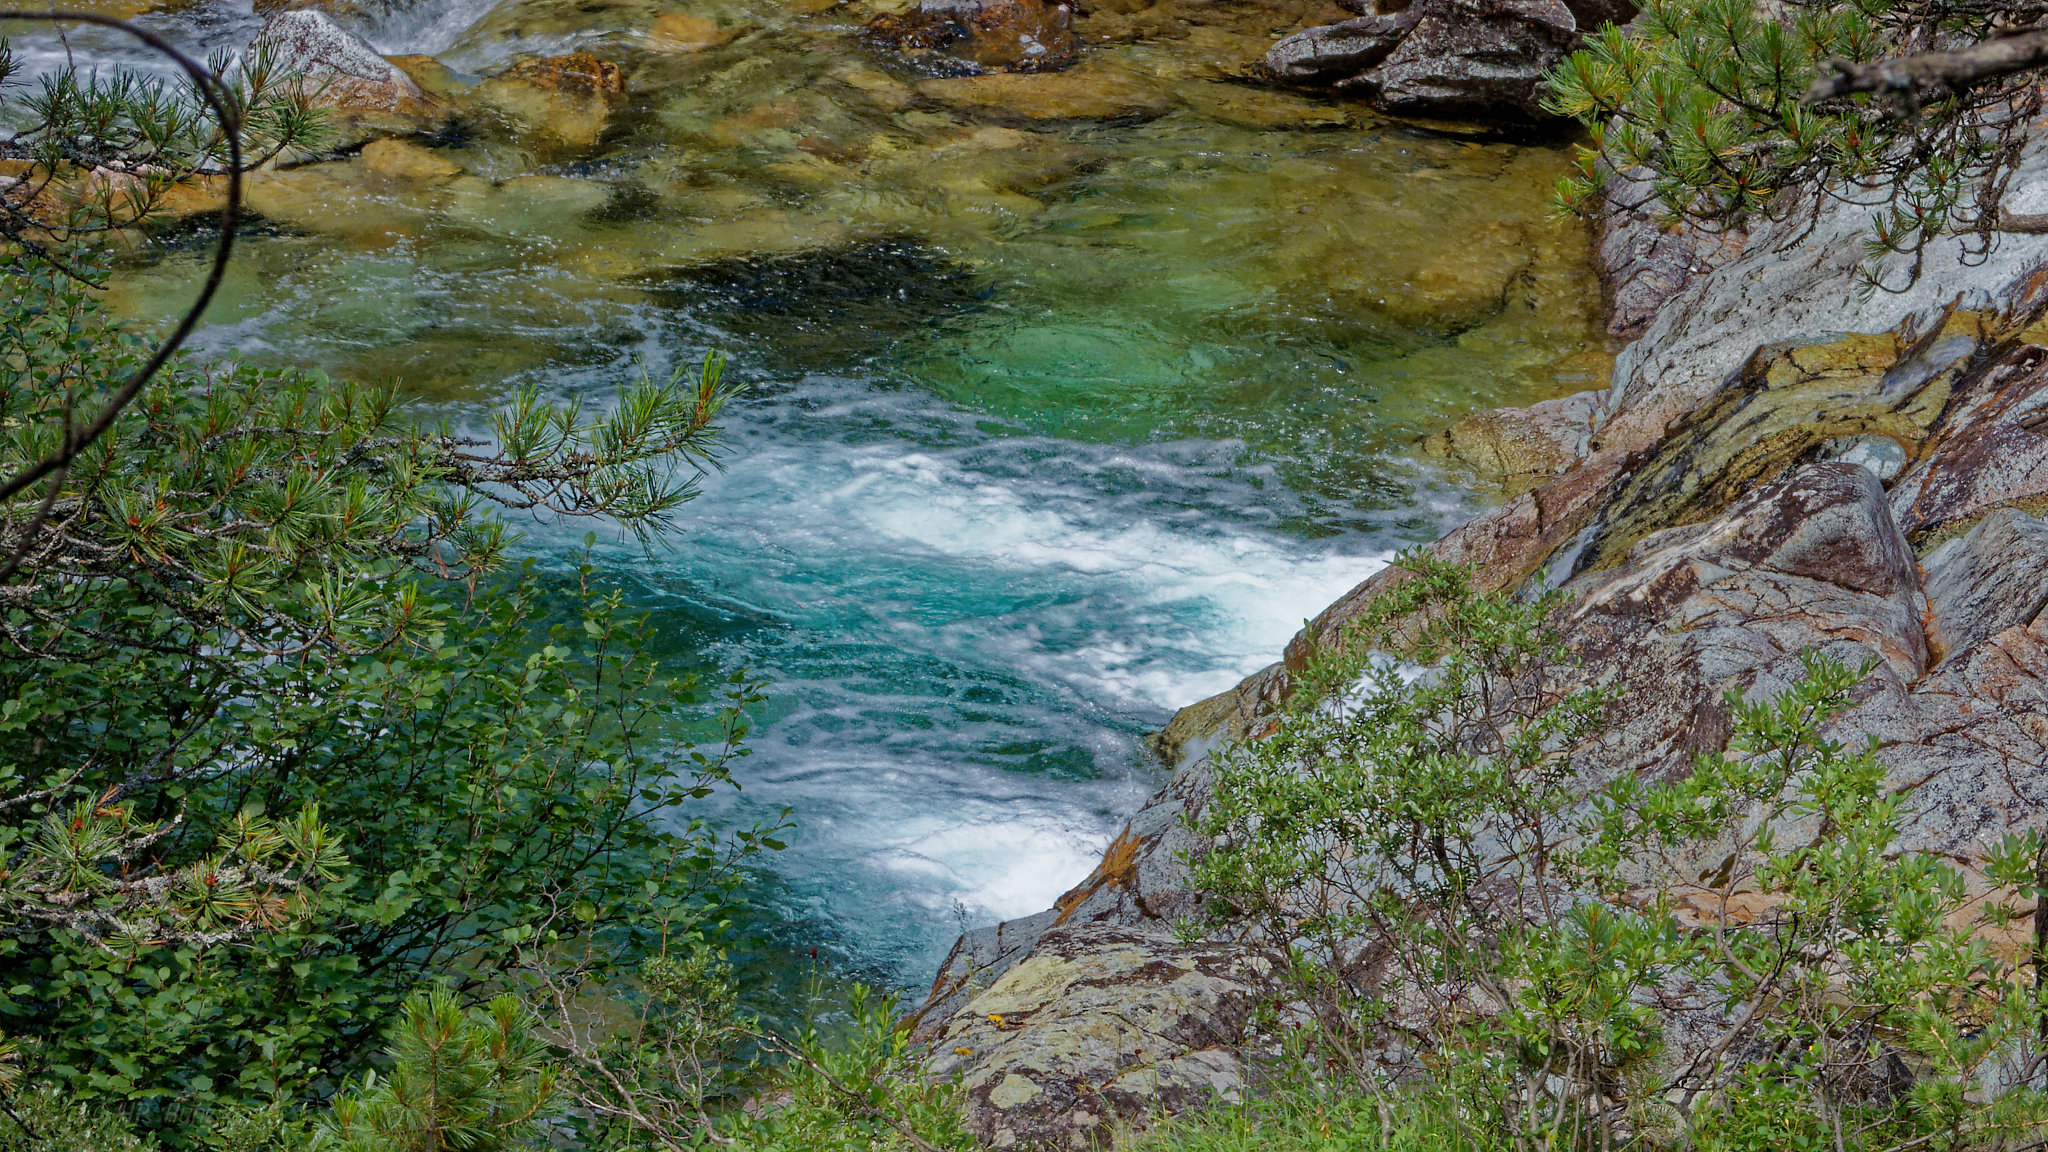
(1796,282)
(1860,398)
(1644,259)
(1968,744)
(1814,560)
(1441,59)
(1333,52)
(1992,578)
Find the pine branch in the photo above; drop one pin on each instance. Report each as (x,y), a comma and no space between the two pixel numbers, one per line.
(1934,73)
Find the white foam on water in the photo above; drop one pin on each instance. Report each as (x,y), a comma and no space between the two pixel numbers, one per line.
(429,29)
(1081,592)
(1165,608)
(977,843)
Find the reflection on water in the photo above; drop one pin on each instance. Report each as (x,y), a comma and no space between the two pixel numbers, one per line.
(1057,423)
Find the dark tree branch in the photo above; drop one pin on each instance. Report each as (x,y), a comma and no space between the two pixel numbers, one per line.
(1933,72)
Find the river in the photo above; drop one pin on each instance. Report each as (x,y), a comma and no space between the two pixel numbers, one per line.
(1054,426)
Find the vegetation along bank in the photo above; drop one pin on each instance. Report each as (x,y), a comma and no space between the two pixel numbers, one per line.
(1683,795)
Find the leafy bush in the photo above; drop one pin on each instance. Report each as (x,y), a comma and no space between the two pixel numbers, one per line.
(1450,888)
(690,1068)
(860,1091)
(225,617)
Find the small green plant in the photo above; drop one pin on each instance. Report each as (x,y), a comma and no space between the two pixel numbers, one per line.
(43,1119)
(458,1081)
(862,1090)
(693,1068)
(1416,838)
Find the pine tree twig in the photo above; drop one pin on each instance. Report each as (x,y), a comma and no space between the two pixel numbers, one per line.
(224,109)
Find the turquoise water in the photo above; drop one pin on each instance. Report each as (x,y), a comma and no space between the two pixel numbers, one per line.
(1053,428)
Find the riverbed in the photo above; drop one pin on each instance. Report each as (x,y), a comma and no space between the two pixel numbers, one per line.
(1059,418)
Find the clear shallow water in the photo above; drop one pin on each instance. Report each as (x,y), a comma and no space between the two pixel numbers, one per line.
(1053,429)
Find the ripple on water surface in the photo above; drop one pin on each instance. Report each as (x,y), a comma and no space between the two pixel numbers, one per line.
(1055,425)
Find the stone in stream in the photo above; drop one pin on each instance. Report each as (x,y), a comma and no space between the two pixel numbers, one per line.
(1098,24)
(436,79)
(1335,52)
(994,35)
(1081,94)
(678,33)
(407,161)
(346,74)
(1470,59)
(1479,60)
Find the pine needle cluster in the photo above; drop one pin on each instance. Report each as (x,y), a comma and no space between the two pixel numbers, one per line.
(1701,112)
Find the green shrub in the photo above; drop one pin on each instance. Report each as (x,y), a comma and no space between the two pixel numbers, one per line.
(690,1068)
(44,1119)
(229,614)
(1447,883)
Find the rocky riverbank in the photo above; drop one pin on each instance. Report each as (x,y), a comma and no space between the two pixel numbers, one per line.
(1783,462)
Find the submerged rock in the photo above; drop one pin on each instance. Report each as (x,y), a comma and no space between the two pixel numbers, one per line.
(1081,94)
(407,161)
(1441,59)
(577,73)
(434,78)
(566,101)
(679,33)
(1000,35)
(1099,24)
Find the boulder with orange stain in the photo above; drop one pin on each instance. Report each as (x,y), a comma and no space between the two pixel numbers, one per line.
(561,102)
(982,35)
